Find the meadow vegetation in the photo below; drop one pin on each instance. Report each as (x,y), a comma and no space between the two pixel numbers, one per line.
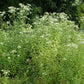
(48,51)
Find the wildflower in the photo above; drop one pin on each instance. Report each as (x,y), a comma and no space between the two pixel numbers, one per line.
(8,57)
(2,70)
(72,45)
(34,23)
(18,9)
(43,18)
(21,32)
(19,47)
(21,5)
(22,11)
(27,60)
(64,59)
(42,36)
(2,14)
(1,43)
(18,55)
(13,51)
(8,22)
(48,42)
(69,36)
(12,9)
(26,8)
(6,72)
(56,19)
(44,73)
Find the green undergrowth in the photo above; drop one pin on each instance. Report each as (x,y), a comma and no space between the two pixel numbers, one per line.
(48,51)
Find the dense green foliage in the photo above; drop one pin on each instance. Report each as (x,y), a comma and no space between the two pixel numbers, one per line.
(48,51)
(70,7)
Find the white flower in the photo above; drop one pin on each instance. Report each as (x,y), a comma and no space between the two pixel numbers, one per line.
(41,65)
(2,70)
(27,60)
(69,36)
(21,32)
(43,18)
(13,51)
(2,14)
(12,9)
(1,43)
(19,47)
(48,42)
(55,50)
(8,22)
(72,45)
(8,57)
(6,72)
(44,73)
(18,55)
(26,8)
(18,8)
(42,36)
(56,19)
(20,4)
(64,59)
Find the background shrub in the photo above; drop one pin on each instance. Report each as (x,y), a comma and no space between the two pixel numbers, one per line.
(40,7)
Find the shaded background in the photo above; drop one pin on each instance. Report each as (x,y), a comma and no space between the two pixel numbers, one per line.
(74,8)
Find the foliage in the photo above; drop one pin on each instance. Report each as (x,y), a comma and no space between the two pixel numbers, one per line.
(81,10)
(17,17)
(4,4)
(41,6)
(48,53)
